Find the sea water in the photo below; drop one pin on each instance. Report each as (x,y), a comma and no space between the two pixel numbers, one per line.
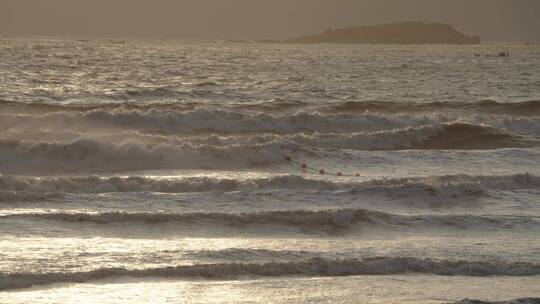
(189,171)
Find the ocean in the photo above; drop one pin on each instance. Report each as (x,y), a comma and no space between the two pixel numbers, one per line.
(228,172)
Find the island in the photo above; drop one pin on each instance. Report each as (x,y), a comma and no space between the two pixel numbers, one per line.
(393,33)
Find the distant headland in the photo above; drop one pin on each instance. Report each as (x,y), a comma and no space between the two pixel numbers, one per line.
(392,33)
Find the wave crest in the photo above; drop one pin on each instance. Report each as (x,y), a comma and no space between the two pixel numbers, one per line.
(488,106)
(523,108)
(316,267)
(450,185)
(214,121)
(330,221)
(89,155)
(446,136)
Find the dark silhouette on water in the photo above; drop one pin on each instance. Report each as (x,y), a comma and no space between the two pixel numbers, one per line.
(501,54)
(394,33)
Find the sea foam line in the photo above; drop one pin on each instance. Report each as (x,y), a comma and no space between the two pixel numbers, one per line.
(229,122)
(524,108)
(445,185)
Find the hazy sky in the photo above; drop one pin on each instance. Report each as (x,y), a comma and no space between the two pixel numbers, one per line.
(260,19)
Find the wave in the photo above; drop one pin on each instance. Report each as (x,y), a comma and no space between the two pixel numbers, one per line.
(520,125)
(466,136)
(200,121)
(22,196)
(457,187)
(97,156)
(263,255)
(147,96)
(96,184)
(456,136)
(213,121)
(316,267)
(488,106)
(446,136)
(106,102)
(147,92)
(93,104)
(330,221)
(436,186)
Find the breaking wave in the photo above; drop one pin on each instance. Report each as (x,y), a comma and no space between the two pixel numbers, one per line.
(316,267)
(216,121)
(96,156)
(457,136)
(450,185)
(139,152)
(201,121)
(488,106)
(447,136)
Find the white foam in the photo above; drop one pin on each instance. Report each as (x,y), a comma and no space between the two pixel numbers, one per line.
(215,121)
(450,185)
(219,121)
